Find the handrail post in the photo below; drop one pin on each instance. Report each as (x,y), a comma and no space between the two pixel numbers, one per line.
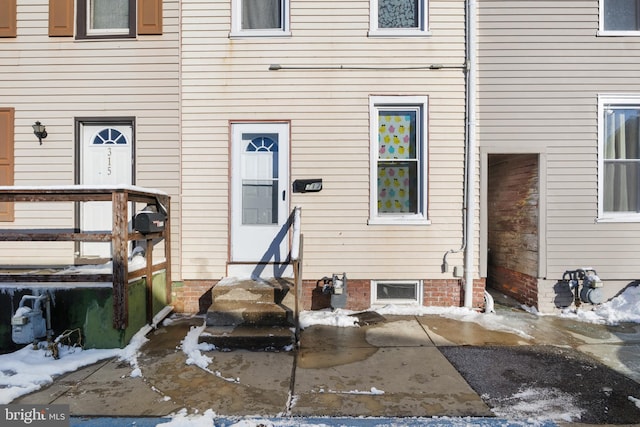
(296,257)
(120,259)
(166,233)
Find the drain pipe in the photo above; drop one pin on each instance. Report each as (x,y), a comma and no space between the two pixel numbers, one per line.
(469,254)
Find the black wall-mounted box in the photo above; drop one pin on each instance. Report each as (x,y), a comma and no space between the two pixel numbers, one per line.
(149,222)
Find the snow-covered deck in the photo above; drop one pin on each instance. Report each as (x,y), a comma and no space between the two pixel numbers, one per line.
(120,274)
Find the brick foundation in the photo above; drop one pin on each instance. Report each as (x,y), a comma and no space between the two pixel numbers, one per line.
(519,286)
(194,296)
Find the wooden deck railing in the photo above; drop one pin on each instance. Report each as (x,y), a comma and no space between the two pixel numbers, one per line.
(119,236)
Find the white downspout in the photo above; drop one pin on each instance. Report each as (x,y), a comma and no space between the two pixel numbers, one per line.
(469,255)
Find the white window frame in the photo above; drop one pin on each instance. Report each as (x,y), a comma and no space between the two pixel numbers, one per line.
(104,31)
(238,31)
(377,103)
(603,32)
(603,102)
(377,302)
(421,31)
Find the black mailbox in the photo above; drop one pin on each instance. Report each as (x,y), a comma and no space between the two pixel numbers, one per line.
(149,222)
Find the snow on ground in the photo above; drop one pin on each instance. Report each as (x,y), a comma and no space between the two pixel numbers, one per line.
(29,369)
(623,308)
(208,419)
(539,403)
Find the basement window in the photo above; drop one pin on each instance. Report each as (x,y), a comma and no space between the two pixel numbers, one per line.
(402,292)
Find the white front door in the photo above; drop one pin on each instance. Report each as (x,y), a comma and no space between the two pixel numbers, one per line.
(106,159)
(259,194)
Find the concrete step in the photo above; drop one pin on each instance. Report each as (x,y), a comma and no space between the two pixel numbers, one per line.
(262,290)
(248,337)
(245,290)
(235,313)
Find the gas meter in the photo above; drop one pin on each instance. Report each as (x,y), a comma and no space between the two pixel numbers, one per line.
(30,323)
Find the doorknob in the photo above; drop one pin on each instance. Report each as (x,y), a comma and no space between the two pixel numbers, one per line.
(284,192)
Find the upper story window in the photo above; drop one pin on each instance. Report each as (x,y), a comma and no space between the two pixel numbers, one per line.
(106,18)
(620,17)
(398,18)
(398,160)
(260,18)
(619,158)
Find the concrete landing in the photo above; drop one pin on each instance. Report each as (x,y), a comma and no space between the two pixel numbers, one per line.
(387,369)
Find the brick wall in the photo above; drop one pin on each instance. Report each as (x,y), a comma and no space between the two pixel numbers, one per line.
(521,287)
(194,296)
(436,292)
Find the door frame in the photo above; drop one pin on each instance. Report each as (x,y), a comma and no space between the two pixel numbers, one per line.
(79,123)
(281,268)
(542,204)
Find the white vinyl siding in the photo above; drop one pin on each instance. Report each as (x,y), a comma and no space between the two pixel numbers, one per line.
(226,81)
(541,68)
(61,79)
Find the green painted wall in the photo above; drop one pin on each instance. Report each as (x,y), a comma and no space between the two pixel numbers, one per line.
(90,309)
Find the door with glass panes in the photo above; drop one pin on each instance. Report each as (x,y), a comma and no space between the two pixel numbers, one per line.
(259,192)
(106,159)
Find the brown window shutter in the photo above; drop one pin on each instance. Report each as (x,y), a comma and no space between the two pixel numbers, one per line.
(60,18)
(149,17)
(8,18)
(6,159)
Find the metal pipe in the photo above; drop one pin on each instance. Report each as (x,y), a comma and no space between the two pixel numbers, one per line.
(278,67)
(469,255)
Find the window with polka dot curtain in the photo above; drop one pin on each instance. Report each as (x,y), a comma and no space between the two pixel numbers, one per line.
(397,162)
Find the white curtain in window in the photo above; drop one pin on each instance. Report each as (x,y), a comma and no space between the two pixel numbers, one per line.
(621,158)
(261,14)
(109,14)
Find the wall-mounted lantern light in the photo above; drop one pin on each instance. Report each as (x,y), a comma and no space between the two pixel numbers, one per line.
(307,185)
(39,131)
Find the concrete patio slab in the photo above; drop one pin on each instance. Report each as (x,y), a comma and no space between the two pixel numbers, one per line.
(405,381)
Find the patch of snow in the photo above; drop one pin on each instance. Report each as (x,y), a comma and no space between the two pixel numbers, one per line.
(635,401)
(529,309)
(338,317)
(539,404)
(22,311)
(136,373)
(183,419)
(28,369)
(191,348)
(623,308)
(490,321)
(372,392)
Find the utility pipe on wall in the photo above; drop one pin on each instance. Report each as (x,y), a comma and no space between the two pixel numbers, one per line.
(469,255)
